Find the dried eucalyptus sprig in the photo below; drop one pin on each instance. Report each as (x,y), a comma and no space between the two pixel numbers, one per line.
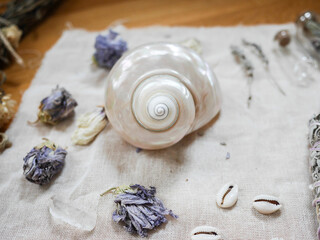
(246,65)
(56,107)
(314,159)
(43,162)
(138,208)
(109,49)
(259,52)
(89,126)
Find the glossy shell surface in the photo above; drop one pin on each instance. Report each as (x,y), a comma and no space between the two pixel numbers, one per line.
(158,93)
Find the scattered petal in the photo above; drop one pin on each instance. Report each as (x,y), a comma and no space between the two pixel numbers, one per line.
(68,213)
(89,126)
(4,142)
(193,44)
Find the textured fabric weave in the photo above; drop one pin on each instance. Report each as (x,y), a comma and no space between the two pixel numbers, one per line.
(267,145)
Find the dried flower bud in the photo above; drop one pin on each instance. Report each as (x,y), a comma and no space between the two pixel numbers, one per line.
(89,126)
(6,109)
(13,34)
(139,209)
(43,162)
(4,142)
(56,107)
(109,49)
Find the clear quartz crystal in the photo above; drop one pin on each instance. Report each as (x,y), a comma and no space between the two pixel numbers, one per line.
(158,93)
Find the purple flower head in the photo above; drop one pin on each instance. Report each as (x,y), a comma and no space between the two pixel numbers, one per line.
(43,162)
(57,106)
(139,209)
(109,49)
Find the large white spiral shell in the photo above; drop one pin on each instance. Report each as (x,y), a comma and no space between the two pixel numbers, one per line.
(158,93)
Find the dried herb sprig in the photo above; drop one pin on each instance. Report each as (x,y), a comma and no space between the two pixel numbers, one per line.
(43,162)
(314,159)
(24,15)
(259,52)
(138,208)
(246,65)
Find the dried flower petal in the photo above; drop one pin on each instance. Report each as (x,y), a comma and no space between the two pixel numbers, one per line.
(56,107)
(6,109)
(89,126)
(109,49)
(13,34)
(139,209)
(193,44)
(43,162)
(4,142)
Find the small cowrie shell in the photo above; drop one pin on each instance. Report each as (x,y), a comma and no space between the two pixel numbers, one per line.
(266,204)
(227,195)
(205,233)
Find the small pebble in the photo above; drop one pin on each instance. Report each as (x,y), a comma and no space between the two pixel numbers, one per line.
(228,156)
(223,144)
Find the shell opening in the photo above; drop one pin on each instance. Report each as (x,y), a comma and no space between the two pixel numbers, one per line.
(269,201)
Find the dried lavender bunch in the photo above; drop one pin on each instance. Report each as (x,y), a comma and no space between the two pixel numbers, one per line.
(56,107)
(109,49)
(43,162)
(246,65)
(139,209)
(314,159)
(259,52)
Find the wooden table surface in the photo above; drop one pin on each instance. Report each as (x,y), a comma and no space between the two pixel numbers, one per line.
(98,14)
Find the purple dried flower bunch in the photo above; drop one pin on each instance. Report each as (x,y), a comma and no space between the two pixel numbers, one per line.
(109,49)
(43,162)
(139,209)
(56,107)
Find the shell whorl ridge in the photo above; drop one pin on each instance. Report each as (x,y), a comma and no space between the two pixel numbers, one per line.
(156,102)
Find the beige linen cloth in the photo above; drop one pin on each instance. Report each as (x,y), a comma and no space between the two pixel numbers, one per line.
(267,144)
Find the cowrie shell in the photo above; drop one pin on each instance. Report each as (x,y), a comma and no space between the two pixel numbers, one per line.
(206,233)
(227,195)
(266,204)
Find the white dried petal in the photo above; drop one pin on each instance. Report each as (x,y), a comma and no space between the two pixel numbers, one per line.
(227,195)
(67,212)
(266,204)
(89,126)
(13,34)
(206,233)
(193,44)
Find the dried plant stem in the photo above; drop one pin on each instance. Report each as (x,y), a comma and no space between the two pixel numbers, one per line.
(108,191)
(247,67)
(6,43)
